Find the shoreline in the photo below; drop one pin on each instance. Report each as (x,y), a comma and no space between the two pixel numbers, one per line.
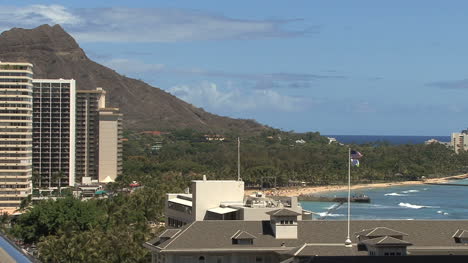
(312,190)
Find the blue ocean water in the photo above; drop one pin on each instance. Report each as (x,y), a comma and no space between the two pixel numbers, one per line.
(392,139)
(401,202)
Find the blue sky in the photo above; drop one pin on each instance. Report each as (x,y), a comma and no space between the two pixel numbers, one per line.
(337,67)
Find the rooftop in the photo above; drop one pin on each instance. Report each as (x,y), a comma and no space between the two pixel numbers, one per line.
(319,237)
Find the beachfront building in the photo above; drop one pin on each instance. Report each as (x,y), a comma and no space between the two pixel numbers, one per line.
(98,137)
(224,200)
(54,132)
(459,141)
(16,94)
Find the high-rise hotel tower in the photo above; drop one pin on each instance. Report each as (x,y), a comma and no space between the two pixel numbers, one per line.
(16,90)
(98,137)
(54,132)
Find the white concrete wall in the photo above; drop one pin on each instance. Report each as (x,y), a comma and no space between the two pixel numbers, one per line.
(260,214)
(71,171)
(171,213)
(209,194)
(108,142)
(286,231)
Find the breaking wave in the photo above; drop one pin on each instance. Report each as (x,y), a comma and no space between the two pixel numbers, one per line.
(394,194)
(325,214)
(410,191)
(408,205)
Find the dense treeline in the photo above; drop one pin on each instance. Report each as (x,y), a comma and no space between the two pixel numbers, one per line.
(113,229)
(280,155)
(98,230)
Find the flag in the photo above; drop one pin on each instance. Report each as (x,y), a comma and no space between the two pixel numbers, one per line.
(356,154)
(355,162)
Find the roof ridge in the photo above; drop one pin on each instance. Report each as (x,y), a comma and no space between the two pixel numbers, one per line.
(235,233)
(179,234)
(300,249)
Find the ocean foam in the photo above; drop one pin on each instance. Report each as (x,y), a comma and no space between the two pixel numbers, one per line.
(408,205)
(394,194)
(439,212)
(325,214)
(410,191)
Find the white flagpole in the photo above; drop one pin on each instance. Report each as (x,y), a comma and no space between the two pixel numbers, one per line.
(238,159)
(348,240)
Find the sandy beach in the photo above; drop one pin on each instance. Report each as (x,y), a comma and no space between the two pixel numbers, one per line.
(296,191)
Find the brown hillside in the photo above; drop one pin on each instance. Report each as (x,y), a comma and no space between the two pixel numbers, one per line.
(55,54)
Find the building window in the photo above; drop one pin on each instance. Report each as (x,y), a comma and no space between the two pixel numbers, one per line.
(242,241)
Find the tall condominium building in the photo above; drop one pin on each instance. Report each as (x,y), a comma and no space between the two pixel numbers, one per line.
(98,137)
(459,141)
(54,132)
(16,90)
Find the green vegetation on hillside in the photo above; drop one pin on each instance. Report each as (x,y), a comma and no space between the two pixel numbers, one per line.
(276,154)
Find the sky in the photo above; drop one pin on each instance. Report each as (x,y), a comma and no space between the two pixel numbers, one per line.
(336,67)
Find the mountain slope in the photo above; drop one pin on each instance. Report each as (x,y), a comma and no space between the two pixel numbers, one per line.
(55,54)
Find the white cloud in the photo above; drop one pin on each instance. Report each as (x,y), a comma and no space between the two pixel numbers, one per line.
(144,25)
(210,96)
(36,15)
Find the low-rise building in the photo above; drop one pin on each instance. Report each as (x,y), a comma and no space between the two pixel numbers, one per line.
(286,238)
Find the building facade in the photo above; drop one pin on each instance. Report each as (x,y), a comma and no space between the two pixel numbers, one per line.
(224,200)
(98,137)
(459,141)
(87,132)
(16,95)
(54,132)
(110,144)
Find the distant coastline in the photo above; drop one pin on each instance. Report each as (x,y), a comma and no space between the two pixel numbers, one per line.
(391,139)
(313,190)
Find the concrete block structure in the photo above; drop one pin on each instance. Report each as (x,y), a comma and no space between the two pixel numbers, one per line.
(54,132)
(110,144)
(224,200)
(16,95)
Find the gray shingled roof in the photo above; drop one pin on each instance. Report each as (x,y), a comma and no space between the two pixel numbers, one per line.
(327,250)
(169,233)
(217,235)
(461,233)
(243,235)
(380,232)
(283,212)
(385,241)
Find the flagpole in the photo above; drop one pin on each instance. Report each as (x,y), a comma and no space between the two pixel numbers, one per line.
(238,159)
(348,242)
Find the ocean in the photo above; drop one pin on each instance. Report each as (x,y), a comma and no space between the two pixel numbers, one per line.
(392,139)
(400,202)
